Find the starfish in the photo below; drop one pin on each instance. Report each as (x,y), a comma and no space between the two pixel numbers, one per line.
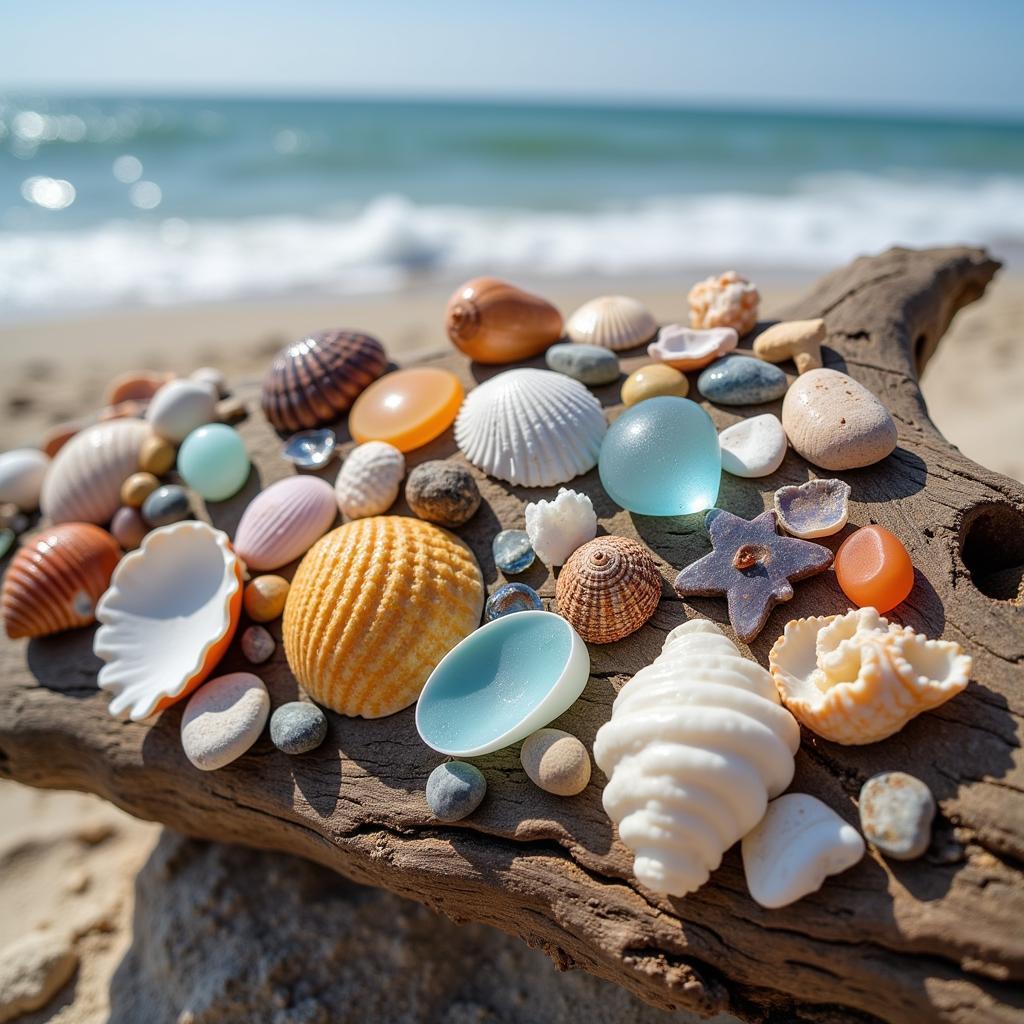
(752,565)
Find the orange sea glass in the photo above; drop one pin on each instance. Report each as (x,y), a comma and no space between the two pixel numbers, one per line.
(874,569)
(407,408)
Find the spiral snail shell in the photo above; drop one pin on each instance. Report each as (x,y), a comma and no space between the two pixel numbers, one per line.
(608,589)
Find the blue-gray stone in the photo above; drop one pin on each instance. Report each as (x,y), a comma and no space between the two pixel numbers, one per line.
(509,598)
(513,552)
(297,727)
(896,812)
(166,505)
(742,380)
(589,364)
(454,790)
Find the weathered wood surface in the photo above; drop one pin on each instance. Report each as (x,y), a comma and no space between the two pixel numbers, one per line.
(937,939)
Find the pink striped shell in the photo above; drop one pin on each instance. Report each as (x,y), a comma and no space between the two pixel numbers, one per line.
(283,521)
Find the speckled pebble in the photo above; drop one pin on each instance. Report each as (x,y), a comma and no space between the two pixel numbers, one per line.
(265,597)
(137,488)
(128,528)
(166,505)
(455,790)
(510,598)
(442,492)
(223,719)
(741,380)
(896,812)
(556,761)
(297,727)
(257,645)
(589,364)
(513,552)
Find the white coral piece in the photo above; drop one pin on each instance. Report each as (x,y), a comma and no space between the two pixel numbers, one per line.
(696,746)
(370,479)
(856,678)
(557,528)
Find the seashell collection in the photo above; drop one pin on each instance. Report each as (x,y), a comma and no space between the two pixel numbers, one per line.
(387,611)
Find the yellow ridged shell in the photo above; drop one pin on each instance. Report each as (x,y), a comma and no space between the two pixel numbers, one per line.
(372,609)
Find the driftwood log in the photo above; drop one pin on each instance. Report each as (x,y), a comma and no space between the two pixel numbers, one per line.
(936,939)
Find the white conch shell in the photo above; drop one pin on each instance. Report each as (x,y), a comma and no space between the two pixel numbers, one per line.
(83,484)
(612,321)
(370,479)
(557,528)
(696,745)
(855,678)
(534,428)
(799,842)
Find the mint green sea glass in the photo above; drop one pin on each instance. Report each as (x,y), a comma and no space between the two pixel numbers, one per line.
(661,458)
(213,461)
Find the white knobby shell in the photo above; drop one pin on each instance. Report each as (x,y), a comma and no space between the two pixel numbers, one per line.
(21,477)
(617,322)
(179,407)
(533,428)
(83,483)
(797,844)
(557,528)
(370,479)
(696,745)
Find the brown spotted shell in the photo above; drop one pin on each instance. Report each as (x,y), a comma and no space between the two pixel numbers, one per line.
(55,580)
(608,589)
(313,381)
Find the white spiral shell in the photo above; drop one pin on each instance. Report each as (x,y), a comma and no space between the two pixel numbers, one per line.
(370,479)
(533,428)
(696,746)
(84,480)
(612,321)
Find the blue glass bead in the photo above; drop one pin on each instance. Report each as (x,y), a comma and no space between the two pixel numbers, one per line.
(213,461)
(512,597)
(513,552)
(661,458)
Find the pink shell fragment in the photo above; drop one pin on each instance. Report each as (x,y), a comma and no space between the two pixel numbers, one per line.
(690,348)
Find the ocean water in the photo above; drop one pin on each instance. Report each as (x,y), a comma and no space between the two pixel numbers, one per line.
(119,201)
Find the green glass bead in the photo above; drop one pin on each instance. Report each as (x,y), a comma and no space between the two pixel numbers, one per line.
(213,461)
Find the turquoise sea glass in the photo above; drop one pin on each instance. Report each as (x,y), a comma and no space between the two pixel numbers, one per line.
(661,458)
(213,461)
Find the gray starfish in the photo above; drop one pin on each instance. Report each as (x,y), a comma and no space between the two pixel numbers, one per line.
(752,565)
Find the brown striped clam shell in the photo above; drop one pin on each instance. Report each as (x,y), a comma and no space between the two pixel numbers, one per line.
(55,580)
(608,589)
(313,381)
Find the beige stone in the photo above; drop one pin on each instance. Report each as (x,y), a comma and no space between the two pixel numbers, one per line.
(556,761)
(799,340)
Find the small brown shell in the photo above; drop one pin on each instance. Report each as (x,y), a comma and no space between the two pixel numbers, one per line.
(55,580)
(608,589)
(139,385)
(316,379)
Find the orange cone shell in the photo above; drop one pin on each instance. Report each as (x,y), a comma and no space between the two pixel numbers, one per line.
(372,609)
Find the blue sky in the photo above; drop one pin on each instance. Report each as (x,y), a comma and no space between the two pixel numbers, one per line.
(900,54)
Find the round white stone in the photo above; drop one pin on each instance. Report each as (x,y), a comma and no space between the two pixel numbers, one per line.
(753,447)
(223,719)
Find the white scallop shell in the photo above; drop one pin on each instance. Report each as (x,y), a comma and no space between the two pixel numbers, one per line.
(855,678)
(557,528)
(21,477)
(534,428)
(167,617)
(612,321)
(370,479)
(83,483)
(696,745)
(179,407)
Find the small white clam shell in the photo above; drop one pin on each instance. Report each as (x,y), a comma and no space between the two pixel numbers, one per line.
(534,428)
(799,842)
(690,348)
(370,479)
(83,483)
(21,477)
(612,321)
(753,447)
(179,407)
(557,528)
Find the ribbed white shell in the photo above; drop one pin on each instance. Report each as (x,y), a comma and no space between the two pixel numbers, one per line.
(83,483)
(534,428)
(370,479)
(696,746)
(612,321)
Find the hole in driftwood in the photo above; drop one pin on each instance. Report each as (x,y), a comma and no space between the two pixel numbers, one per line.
(992,547)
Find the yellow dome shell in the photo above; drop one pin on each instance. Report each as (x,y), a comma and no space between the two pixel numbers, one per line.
(372,609)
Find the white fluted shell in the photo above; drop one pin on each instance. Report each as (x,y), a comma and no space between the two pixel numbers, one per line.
(534,428)
(83,483)
(696,746)
(612,321)
(370,479)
